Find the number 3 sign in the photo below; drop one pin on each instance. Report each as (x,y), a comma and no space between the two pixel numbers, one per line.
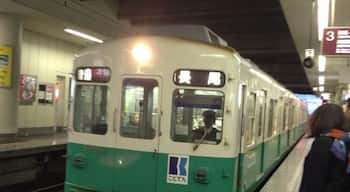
(336,41)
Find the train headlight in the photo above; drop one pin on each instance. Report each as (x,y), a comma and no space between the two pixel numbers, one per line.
(142,53)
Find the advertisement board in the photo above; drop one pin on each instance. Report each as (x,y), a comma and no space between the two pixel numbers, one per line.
(5,66)
(27,89)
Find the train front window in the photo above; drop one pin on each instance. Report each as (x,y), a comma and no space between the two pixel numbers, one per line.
(91,109)
(197,116)
(140,116)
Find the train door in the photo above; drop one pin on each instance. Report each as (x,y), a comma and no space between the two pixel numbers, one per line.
(60,102)
(290,117)
(280,123)
(249,168)
(242,117)
(261,112)
(138,138)
(284,131)
(89,152)
(291,124)
(271,137)
(242,105)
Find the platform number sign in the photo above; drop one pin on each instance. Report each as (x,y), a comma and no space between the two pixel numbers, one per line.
(336,41)
(330,35)
(177,172)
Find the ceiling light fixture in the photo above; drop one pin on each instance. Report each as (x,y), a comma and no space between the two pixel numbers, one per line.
(322,16)
(322,63)
(321,88)
(83,35)
(321,80)
(326,96)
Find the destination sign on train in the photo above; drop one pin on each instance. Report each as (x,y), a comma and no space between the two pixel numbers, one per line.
(201,78)
(93,74)
(336,41)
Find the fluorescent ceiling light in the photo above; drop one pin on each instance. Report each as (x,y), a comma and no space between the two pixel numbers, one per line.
(83,35)
(321,80)
(322,16)
(322,63)
(332,12)
(315,88)
(326,96)
(321,88)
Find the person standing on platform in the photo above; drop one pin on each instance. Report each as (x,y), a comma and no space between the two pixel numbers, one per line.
(326,165)
(347,113)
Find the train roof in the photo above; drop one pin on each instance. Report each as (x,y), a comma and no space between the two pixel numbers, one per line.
(229,50)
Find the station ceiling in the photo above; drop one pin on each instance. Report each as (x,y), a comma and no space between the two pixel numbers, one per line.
(304,29)
(256,28)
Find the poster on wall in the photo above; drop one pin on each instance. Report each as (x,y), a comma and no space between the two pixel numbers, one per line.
(27,87)
(49,93)
(46,93)
(5,66)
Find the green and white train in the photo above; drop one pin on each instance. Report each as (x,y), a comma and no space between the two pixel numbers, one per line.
(138,101)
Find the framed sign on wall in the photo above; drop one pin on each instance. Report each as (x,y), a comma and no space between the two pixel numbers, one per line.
(5,66)
(46,93)
(27,89)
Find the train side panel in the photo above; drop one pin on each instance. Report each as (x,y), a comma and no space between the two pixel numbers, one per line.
(126,159)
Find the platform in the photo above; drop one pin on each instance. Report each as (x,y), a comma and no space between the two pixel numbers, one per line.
(33,144)
(288,175)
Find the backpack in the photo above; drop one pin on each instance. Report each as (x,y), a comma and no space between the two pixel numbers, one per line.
(341,146)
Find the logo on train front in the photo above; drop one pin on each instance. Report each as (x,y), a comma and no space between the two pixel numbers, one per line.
(177,172)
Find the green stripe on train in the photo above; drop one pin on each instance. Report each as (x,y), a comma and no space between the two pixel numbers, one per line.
(106,169)
(91,168)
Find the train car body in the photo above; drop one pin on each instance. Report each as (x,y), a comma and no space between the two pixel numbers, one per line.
(138,102)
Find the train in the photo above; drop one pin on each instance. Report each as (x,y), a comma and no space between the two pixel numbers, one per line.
(156,113)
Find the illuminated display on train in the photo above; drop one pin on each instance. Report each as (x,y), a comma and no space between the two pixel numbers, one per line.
(201,78)
(93,74)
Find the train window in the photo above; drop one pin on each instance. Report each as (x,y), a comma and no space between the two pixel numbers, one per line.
(291,117)
(262,115)
(249,136)
(279,114)
(91,109)
(272,118)
(140,115)
(197,116)
(285,115)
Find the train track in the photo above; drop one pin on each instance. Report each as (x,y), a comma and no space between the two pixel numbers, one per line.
(51,188)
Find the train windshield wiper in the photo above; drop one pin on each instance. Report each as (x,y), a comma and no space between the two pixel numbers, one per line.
(195,147)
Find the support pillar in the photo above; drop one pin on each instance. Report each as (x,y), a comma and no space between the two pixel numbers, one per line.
(10,35)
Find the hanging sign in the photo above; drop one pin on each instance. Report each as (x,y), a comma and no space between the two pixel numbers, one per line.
(309,53)
(5,66)
(336,41)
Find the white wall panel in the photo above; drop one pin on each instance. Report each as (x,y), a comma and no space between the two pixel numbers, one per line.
(10,35)
(44,57)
